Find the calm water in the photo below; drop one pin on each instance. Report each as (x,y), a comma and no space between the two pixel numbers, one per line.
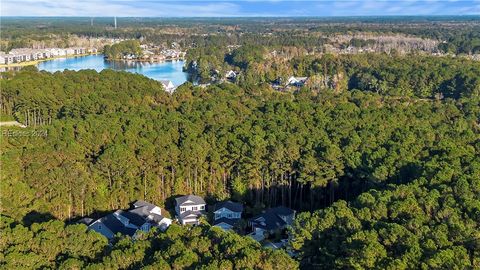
(159,71)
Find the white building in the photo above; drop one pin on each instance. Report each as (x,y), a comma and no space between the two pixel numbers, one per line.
(189,209)
(168,85)
(297,81)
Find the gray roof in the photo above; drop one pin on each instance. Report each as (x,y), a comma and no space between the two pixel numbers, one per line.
(87,221)
(271,219)
(196,214)
(141,211)
(133,217)
(228,221)
(141,203)
(156,218)
(183,200)
(268,221)
(232,206)
(114,225)
(166,82)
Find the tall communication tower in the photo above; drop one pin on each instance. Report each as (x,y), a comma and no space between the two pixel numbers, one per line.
(91,21)
(115,22)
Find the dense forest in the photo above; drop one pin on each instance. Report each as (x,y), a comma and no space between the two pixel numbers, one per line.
(418,76)
(52,245)
(384,180)
(454,34)
(379,153)
(118,50)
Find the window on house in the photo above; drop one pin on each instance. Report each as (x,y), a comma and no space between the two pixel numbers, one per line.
(183,209)
(202,207)
(194,208)
(99,227)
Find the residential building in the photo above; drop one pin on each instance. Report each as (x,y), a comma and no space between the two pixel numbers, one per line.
(271,221)
(69,51)
(143,217)
(151,213)
(189,209)
(231,75)
(110,225)
(297,81)
(168,85)
(227,214)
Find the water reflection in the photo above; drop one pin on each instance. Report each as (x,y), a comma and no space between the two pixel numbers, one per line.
(170,70)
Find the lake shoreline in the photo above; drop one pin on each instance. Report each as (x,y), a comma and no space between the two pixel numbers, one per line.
(172,70)
(38,61)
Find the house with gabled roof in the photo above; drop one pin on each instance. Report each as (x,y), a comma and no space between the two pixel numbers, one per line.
(296,81)
(271,221)
(227,214)
(151,213)
(168,85)
(189,209)
(110,225)
(231,75)
(143,217)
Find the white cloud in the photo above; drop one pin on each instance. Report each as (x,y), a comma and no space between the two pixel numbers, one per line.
(225,8)
(116,8)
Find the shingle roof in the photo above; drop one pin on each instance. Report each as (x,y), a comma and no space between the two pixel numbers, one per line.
(268,221)
(141,203)
(271,220)
(196,214)
(116,226)
(232,206)
(193,198)
(228,221)
(132,217)
(87,221)
(156,218)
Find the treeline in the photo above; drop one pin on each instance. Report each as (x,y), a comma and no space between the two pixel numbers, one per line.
(54,245)
(458,35)
(118,50)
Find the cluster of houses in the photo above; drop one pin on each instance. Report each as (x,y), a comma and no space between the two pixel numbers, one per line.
(279,84)
(189,209)
(143,216)
(154,53)
(26,54)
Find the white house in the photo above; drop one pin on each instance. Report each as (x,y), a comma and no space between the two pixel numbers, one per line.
(168,85)
(69,51)
(151,213)
(231,75)
(297,81)
(189,209)
(227,214)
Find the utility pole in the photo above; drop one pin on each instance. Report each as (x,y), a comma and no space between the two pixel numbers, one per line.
(91,21)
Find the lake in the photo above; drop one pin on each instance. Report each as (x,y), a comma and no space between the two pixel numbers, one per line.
(170,70)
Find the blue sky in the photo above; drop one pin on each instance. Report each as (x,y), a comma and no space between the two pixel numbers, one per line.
(242,8)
